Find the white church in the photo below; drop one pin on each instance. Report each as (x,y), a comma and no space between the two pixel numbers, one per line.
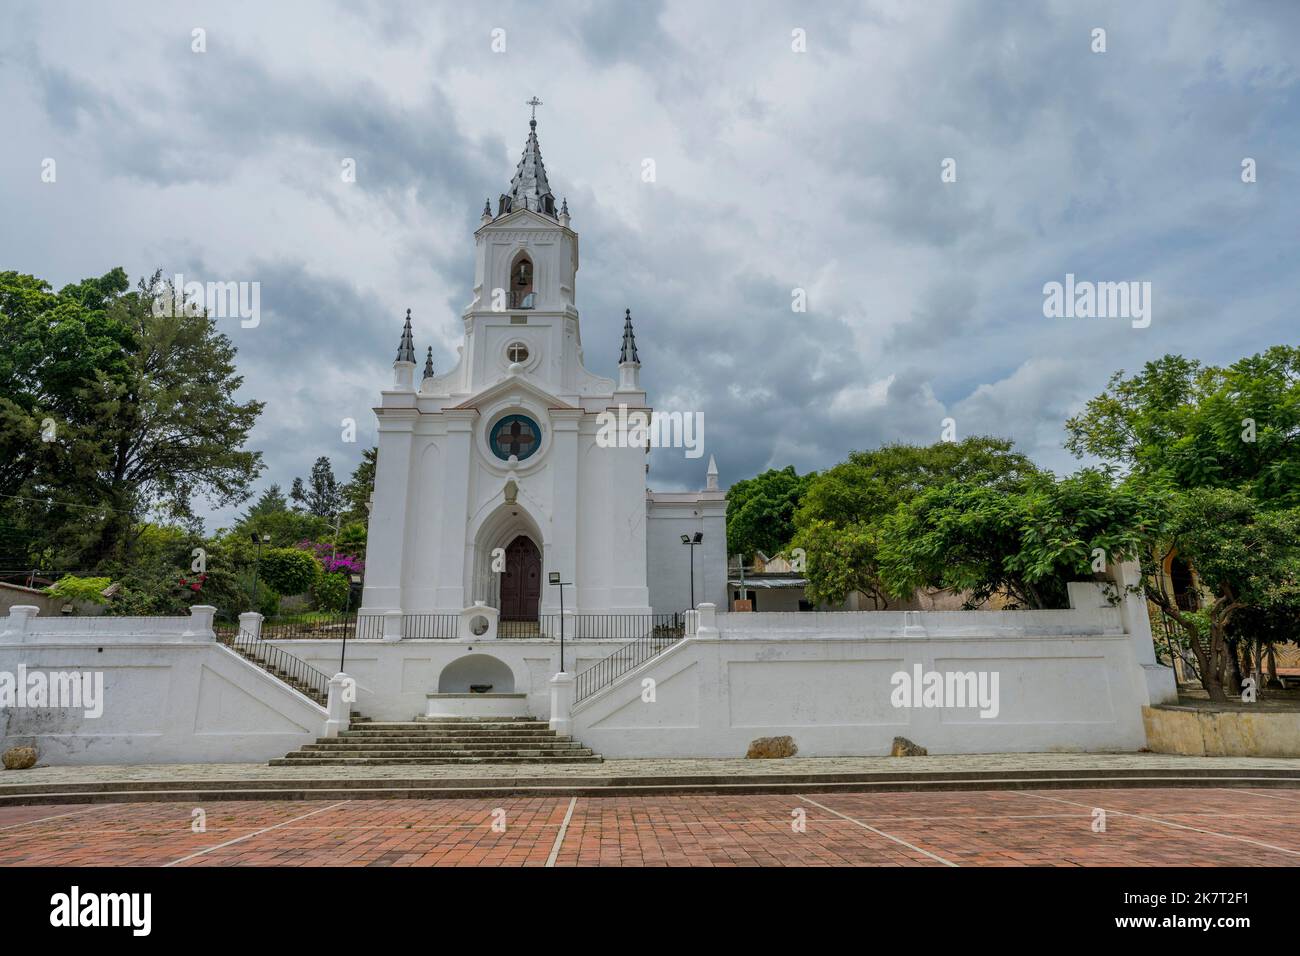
(491,481)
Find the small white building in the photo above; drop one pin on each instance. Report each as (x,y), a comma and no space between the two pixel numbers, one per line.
(491,476)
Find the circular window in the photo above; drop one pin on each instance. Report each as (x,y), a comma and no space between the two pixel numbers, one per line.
(516,435)
(517,352)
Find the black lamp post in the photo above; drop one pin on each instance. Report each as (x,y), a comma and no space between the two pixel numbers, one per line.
(691,543)
(354,580)
(257,540)
(554,578)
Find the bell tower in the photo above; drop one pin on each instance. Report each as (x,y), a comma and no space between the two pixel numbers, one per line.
(523,319)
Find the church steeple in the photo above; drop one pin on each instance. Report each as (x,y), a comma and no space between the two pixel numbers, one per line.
(428,364)
(529,188)
(406,348)
(628,352)
(404,364)
(629,364)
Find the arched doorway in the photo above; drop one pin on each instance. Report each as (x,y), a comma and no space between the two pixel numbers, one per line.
(521,582)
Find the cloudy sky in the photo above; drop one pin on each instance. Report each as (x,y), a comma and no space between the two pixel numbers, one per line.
(775,170)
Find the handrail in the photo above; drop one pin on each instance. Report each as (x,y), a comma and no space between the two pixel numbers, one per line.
(628,657)
(313,683)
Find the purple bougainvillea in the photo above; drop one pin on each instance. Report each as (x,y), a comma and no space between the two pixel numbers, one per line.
(333,562)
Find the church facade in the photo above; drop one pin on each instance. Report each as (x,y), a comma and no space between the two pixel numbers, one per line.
(493,477)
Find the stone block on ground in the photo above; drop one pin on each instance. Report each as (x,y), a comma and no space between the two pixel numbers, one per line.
(905,748)
(771,748)
(19,758)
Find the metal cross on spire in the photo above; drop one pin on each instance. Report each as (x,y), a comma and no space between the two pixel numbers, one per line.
(534,103)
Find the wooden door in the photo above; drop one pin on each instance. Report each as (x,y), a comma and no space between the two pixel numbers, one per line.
(521,582)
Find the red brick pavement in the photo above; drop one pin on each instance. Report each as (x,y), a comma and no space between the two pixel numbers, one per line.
(1158,827)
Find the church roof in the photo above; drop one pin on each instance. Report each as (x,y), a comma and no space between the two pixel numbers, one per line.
(529,188)
(628,352)
(406,349)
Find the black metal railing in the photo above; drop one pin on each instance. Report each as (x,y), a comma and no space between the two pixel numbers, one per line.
(610,627)
(313,626)
(281,664)
(427,627)
(629,657)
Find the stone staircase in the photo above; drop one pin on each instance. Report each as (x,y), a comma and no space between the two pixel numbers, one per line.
(442,740)
(281,665)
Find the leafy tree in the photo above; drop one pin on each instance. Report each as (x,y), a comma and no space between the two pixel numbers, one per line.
(840,516)
(1024,544)
(760,511)
(1247,556)
(289,570)
(271,501)
(358,489)
(323,497)
(1202,427)
(298,495)
(73,588)
(140,408)
(330,592)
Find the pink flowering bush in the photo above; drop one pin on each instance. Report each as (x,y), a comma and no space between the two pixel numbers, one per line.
(333,563)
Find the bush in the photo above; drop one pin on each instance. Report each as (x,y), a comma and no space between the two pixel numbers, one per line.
(289,570)
(269,603)
(331,592)
(72,588)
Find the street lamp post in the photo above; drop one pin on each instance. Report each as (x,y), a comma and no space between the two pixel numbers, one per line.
(258,540)
(692,542)
(554,578)
(354,580)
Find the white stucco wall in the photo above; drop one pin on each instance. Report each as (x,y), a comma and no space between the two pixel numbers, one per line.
(1067,681)
(671,515)
(172,694)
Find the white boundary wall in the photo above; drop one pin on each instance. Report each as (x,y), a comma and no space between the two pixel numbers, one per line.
(1072,680)
(1067,681)
(172,694)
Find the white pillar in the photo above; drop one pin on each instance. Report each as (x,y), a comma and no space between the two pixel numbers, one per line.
(392,625)
(201,622)
(20,617)
(708,621)
(250,622)
(562,691)
(341,689)
(1161,684)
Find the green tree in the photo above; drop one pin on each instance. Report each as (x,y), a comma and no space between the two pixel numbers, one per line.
(1026,544)
(289,570)
(1248,557)
(321,495)
(839,519)
(358,489)
(140,407)
(270,501)
(1201,426)
(760,511)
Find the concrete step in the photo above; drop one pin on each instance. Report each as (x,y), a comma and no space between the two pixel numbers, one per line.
(342,785)
(426,725)
(443,738)
(440,745)
(438,754)
(292,761)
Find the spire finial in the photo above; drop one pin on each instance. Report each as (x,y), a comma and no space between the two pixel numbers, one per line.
(529,188)
(428,363)
(406,348)
(628,351)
